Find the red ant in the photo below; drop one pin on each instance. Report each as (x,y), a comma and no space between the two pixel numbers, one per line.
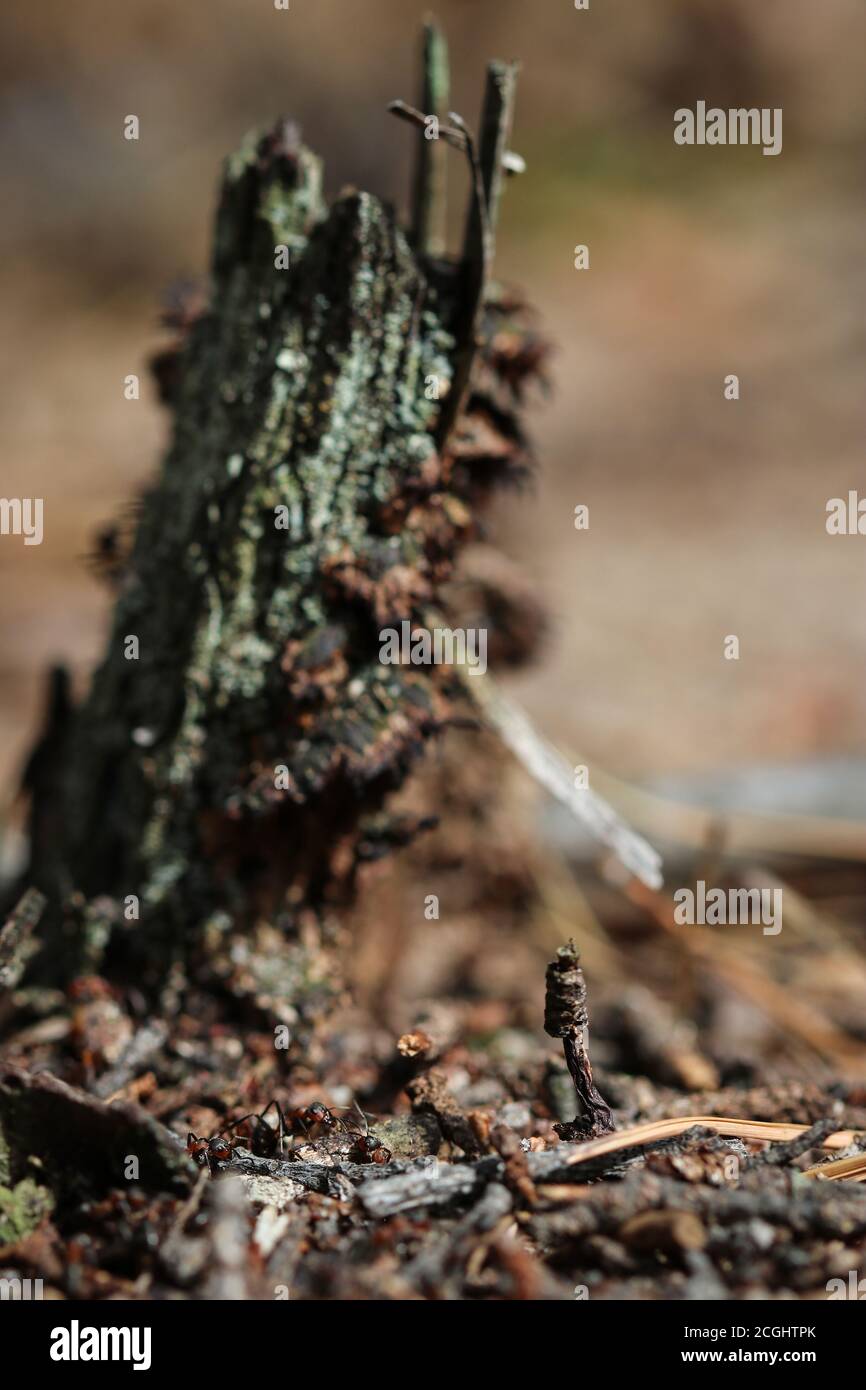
(206,1152)
(372,1149)
(368,1146)
(266,1142)
(262,1138)
(309,1117)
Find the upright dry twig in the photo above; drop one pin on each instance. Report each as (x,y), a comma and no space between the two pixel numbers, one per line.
(429,190)
(565,1017)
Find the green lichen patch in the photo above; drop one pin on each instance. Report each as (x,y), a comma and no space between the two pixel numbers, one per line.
(23,1208)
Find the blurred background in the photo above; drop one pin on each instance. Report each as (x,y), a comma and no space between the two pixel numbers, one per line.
(707,517)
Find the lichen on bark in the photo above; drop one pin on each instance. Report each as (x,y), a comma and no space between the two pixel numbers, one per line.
(241,726)
(263,560)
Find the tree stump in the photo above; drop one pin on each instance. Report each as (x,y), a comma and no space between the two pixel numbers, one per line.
(329,458)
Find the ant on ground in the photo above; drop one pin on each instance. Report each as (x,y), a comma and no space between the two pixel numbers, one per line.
(266,1141)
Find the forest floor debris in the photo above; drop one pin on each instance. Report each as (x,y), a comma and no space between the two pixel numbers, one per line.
(481,1197)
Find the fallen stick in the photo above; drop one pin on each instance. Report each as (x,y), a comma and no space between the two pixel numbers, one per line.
(745,832)
(79,1140)
(801,1020)
(549,767)
(470,1238)
(853,1168)
(655,1130)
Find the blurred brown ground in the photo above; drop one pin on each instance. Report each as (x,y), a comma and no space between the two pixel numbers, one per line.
(707,517)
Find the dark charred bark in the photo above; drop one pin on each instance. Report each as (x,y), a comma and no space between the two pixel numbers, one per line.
(241,726)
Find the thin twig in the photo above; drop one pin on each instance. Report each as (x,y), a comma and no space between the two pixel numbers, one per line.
(744,831)
(429,192)
(547,765)
(853,1169)
(801,1020)
(497,114)
(486,166)
(654,1130)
